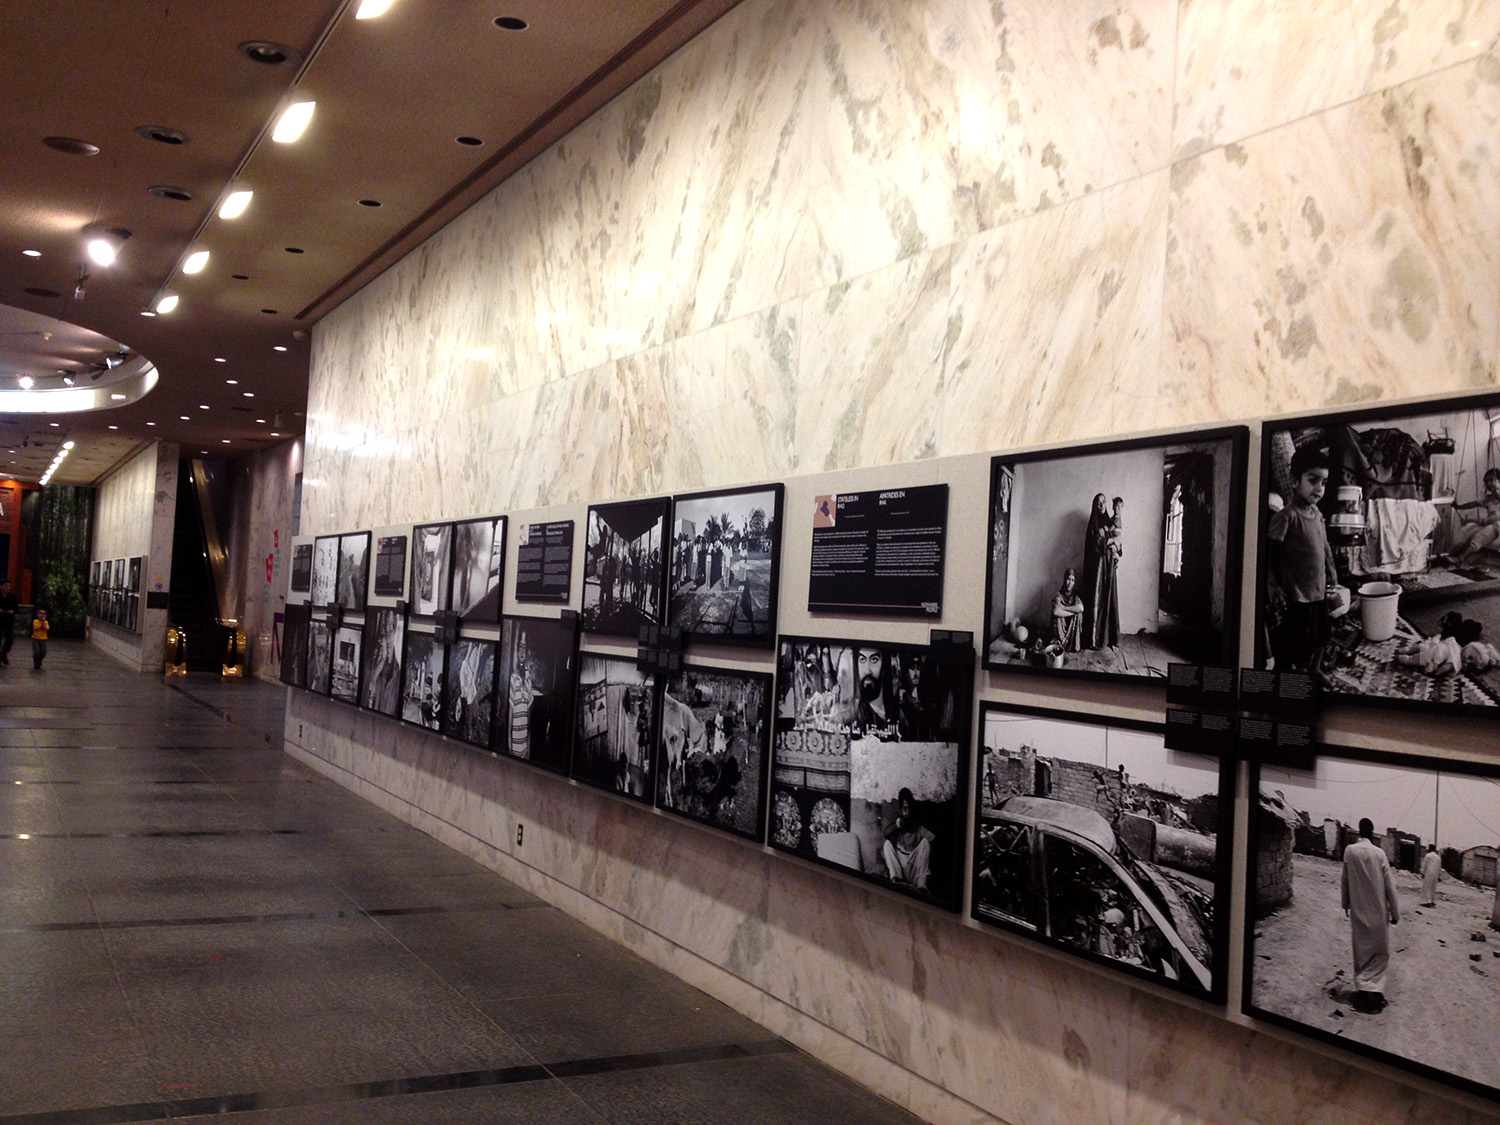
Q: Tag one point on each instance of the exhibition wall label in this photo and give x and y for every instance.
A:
(879, 552)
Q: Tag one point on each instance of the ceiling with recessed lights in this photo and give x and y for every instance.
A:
(131, 124)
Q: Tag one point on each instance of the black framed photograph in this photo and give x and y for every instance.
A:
(302, 568)
(614, 744)
(294, 625)
(354, 570)
(119, 574)
(534, 702)
(869, 765)
(714, 748)
(422, 681)
(625, 566)
(469, 691)
(132, 609)
(325, 573)
(319, 655)
(1372, 909)
(133, 576)
(348, 641)
(725, 563)
(431, 568)
(1092, 837)
(390, 566)
(380, 678)
(1115, 560)
(478, 568)
(1379, 561)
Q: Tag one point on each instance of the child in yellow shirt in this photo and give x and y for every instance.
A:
(39, 638)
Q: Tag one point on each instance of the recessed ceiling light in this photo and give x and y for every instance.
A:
(371, 9)
(471, 142)
(104, 244)
(369, 203)
(294, 250)
(275, 433)
(56, 424)
(169, 191)
(71, 145)
(235, 203)
(278, 347)
(68, 380)
(220, 359)
(167, 304)
(114, 427)
(203, 406)
(184, 417)
(269, 312)
(195, 262)
(240, 276)
(232, 382)
(270, 54)
(36, 291)
(510, 23)
(150, 423)
(147, 312)
(248, 394)
(117, 397)
(260, 421)
(26, 382)
(161, 134)
(32, 253)
(224, 440)
(293, 122)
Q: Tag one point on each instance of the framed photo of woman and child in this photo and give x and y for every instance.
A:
(1379, 562)
(1118, 559)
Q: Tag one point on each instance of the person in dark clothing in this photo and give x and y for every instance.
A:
(8, 606)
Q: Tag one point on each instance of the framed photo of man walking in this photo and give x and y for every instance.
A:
(1372, 912)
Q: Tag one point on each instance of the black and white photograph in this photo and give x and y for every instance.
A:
(319, 655)
(422, 681)
(615, 743)
(1380, 554)
(302, 568)
(869, 762)
(1372, 917)
(348, 641)
(354, 570)
(133, 576)
(390, 566)
(431, 568)
(119, 574)
(624, 566)
(478, 568)
(726, 548)
(534, 705)
(469, 691)
(1093, 837)
(325, 572)
(1119, 559)
(714, 748)
(380, 680)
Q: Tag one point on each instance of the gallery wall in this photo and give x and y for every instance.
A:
(134, 516)
(829, 236)
(257, 547)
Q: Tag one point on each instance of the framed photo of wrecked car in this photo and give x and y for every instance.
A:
(1378, 571)
(1090, 836)
(1371, 909)
(1113, 561)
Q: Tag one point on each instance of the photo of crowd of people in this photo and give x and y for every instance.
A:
(1116, 560)
(380, 681)
(869, 762)
(615, 743)
(354, 570)
(1374, 915)
(624, 566)
(1094, 837)
(715, 731)
(422, 681)
(431, 568)
(1380, 553)
(469, 691)
(724, 558)
(534, 705)
(478, 567)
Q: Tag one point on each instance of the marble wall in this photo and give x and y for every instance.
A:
(840, 233)
(257, 545)
(134, 515)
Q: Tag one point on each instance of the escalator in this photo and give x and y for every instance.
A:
(199, 576)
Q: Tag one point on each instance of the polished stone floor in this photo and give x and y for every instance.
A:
(193, 924)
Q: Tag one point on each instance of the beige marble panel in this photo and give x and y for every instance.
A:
(1244, 66)
(1056, 323)
(1347, 257)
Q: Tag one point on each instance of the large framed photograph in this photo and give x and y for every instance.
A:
(1116, 560)
(294, 645)
(354, 570)
(1093, 837)
(133, 576)
(422, 681)
(1372, 909)
(714, 748)
(380, 679)
(726, 555)
(348, 640)
(1379, 562)
(390, 564)
(616, 732)
(319, 655)
(478, 568)
(625, 566)
(431, 568)
(325, 572)
(534, 702)
(469, 692)
(869, 767)
(302, 568)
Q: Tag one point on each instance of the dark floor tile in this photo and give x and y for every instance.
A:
(28, 808)
(75, 1068)
(146, 807)
(546, 1102)
(386, 889)
(15, 737)
(45, 882)
(766, 1090)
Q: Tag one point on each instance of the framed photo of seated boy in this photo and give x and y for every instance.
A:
(1371, 909)
(1092, 837)
(1379, 560)
(869, 762)
(1113, 561)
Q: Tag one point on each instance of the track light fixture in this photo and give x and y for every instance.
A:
(103, 244)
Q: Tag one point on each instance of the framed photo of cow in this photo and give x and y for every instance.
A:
(713, 749)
